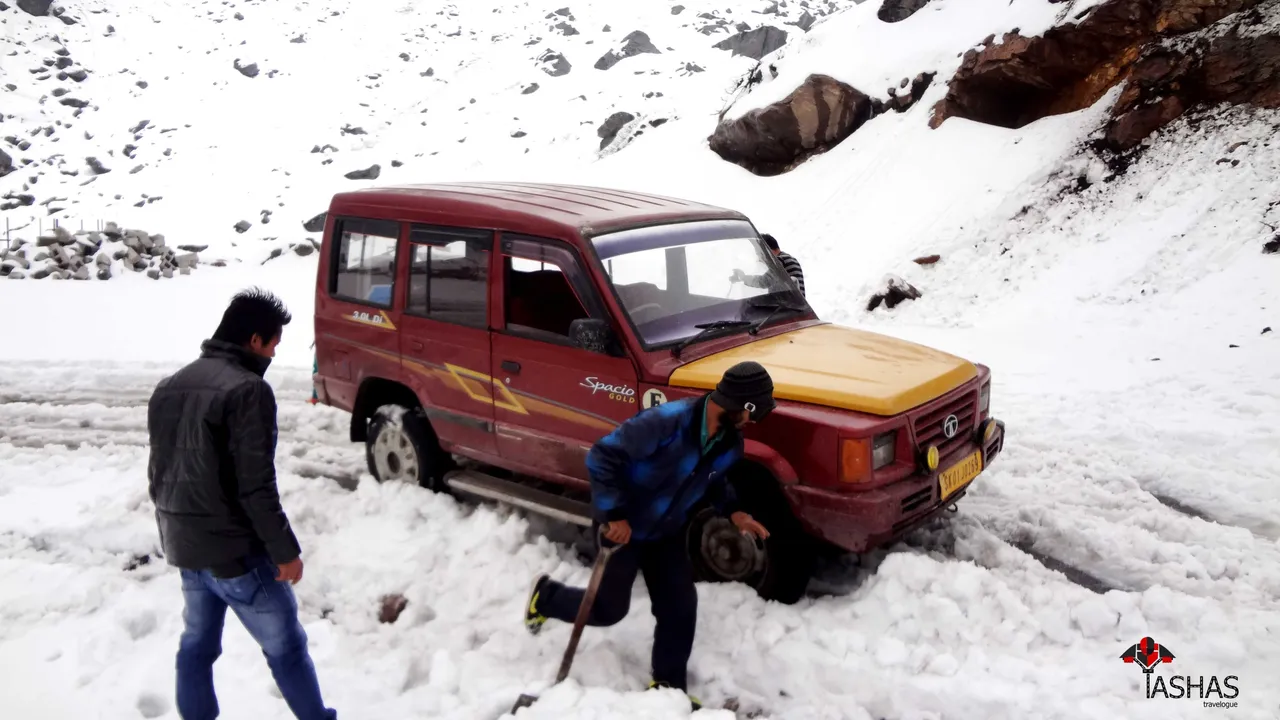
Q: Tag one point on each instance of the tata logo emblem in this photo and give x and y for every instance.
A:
(951, 426)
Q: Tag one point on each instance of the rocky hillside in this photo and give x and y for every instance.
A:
(1170, 56)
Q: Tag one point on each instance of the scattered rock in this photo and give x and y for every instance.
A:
(1265, 330)
(348, 130)
(303, 249)
(815, 117)
(243, 226)
(249, 71)
(566, 29)
(370, 173)
(6, 163)
(554, 64)
(530, 89)
(78, 74)
(635, 43)
(396, 163)
(927, 259)
(315, 224)
(96, 166)
(805, 22)
(193, 248)
(391, 607)
(893, 11)
(755, 44)
(896, 291)
(300, 39)
(74, 102)
(608, 130)
(1273, 246)
(677, 9)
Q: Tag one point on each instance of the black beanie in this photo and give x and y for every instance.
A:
(746, 383)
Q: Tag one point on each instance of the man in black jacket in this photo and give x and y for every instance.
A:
(213, 481)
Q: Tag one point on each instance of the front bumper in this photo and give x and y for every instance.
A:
(858, 522)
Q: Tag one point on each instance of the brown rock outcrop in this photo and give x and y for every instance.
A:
(1227, 68)
(1072, 66)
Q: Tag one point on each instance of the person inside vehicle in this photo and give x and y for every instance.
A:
(212, 478)
(645, 477)
(789, 264)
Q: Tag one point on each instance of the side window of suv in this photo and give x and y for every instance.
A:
(545, 289)
(449, 274)
(364, 264)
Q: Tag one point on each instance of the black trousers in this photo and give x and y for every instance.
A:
(669, 577)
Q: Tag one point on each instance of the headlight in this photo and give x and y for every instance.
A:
(984, 398)
(884, 449)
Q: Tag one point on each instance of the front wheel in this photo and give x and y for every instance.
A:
(778, 568)
(401, 447)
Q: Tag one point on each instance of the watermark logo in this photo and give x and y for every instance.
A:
(1211, 690)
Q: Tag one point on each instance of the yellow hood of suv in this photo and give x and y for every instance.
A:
(840, 367)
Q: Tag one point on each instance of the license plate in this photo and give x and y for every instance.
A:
(960, 474)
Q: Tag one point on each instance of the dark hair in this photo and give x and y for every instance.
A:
(252, 312)
(768, 240)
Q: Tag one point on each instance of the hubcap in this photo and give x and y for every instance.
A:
(394, 456)
(728, 553)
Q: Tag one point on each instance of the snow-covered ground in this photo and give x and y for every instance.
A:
(1137, 496)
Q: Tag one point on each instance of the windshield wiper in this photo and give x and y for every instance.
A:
(774, 309)
(706, 329)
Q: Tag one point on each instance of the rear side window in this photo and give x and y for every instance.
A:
(449, 274)
(364, 262)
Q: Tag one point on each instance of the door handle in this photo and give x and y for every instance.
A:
(414, 344)
(511, 366)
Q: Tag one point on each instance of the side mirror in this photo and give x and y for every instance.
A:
(591, 334)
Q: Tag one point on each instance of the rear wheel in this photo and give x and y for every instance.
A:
(401, 447)
(779, 568)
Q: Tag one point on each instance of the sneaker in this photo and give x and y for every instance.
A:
(533, 620)
(694, 702)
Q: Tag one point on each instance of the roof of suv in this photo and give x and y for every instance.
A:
(587, 210)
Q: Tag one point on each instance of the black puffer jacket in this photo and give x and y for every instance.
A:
(212, 470)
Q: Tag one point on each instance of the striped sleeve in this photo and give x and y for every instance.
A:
(792, 266)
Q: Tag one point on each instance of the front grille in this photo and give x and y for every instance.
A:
(928, 425)
(916, 500)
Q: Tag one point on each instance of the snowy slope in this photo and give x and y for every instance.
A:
(1136, 496)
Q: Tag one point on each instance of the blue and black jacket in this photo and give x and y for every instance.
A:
(652, 469)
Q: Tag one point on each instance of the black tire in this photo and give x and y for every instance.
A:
(401, 447)
(780, 570)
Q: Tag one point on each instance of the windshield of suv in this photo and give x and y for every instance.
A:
(671, 279)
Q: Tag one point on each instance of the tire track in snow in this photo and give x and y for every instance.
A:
(312, 444)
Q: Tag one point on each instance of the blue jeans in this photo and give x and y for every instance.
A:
(269, 612)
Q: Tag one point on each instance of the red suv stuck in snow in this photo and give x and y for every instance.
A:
(484, 335)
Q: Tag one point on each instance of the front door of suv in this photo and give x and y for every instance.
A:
(558, 399)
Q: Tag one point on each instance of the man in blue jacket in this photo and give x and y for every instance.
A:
(645, 477)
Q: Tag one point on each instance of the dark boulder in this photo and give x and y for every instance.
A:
(814, 117)
(608, 130)
(635, 43)
(755, 44)
(893, 11)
